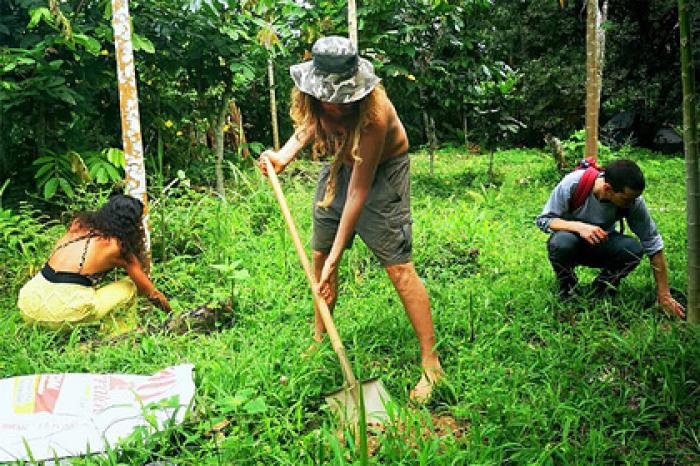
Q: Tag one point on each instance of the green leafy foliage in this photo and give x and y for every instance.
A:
(66, 171)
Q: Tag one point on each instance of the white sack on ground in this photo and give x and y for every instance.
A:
(63, 415)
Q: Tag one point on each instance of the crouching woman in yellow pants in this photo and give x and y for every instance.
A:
(66, 291)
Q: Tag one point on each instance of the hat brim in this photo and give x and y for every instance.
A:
(335, 88)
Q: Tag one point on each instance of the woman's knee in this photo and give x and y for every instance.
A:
(400, 274)
(318, 257)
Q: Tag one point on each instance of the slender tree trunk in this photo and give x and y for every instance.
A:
(218, 129)
(433, 142)
(41, 128)
(690, 141)
(352, 21)
(3, 161)
(239, 138)
(591, 148)
(602, 17)
(429, 125)
(129, 105)
(465, 127)
(273, 105)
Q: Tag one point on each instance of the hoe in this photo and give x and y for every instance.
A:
(345, 402)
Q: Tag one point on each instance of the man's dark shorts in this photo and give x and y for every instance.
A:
(385, 221)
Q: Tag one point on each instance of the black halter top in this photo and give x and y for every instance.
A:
(77, 278)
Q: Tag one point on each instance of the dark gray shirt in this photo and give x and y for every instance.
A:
(602, 214)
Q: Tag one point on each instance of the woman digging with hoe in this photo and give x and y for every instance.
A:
(339, 105)
(65, 291)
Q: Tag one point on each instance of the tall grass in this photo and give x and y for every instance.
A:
(530, 380)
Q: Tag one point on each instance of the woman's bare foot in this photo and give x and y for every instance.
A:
(423, 390)
(314, 346)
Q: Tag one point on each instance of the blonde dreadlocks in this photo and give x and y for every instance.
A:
(305, 112)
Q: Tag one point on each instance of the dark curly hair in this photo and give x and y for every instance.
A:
(120, 218)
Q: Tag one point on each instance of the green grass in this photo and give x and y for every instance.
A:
(531, 380)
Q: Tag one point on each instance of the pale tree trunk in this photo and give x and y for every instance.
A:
(239, 139)
(591, 149)
(273, 105)
(218, 129)
(129, 106)
(602, 17)
(692, 183)
(352, 21)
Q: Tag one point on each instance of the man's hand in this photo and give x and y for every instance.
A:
(592, 234)
(278, 163)
(670, 305)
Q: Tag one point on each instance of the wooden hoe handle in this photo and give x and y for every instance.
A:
(338, 347)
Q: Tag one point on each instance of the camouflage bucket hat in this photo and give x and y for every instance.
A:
(336, 74)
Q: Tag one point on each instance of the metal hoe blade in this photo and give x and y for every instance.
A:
(344, 403)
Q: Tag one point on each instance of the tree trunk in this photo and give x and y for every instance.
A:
(239, 139)
(3, 160)
(135, 169)
(591, 149)
(602, 17)
(690, 141)
(352, 22)
(465, 127)
(273, 105)
(41, 129)
(218, 129)
(429, 125)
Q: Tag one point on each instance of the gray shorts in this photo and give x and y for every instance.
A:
(385, 221)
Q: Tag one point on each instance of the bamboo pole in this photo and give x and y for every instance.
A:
(352, 22)
(273, 103)
(591, 149)
(135, 169)
(690, 142)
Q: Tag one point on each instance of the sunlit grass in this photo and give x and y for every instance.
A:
(530, 380)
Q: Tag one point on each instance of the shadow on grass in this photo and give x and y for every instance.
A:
(442, 186)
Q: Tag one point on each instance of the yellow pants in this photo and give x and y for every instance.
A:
(55, 305)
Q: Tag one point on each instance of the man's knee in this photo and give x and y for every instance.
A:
(629, 252)
(562, 246)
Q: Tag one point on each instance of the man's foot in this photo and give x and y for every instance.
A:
(566, 288)
(604, 287)
(423, 390)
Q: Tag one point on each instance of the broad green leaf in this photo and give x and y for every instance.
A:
(116, 157)
(44, 169)
(101, 174)
(50, 188)
(142, 43)
(37, 15)
(66, 187)
(77, 165)
(91, 45)
(112, 172)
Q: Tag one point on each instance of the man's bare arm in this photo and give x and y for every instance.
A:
(663, 292)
